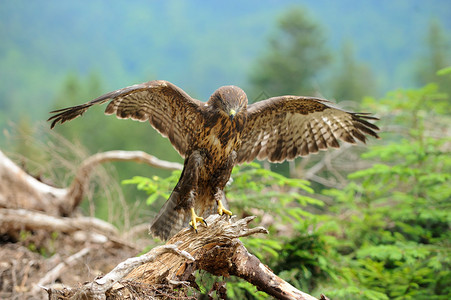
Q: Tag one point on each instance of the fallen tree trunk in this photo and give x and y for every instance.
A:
(169, 273)
(14, 220)
(21, 190)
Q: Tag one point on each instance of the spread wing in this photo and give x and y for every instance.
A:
(286, 127)
(168, 108)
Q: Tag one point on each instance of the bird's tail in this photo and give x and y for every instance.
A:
(171, 219)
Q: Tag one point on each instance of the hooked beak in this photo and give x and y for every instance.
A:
(232, 114)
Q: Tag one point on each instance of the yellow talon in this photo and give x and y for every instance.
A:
(222, 210)
(194, 219)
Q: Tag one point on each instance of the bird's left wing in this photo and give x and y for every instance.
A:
(286, 127)
(168, 108)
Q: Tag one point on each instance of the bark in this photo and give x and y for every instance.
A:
(161, 273)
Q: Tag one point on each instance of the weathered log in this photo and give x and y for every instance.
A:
(215, 249)
(21, 190)
(22, 219)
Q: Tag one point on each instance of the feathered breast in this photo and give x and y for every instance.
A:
(220, 137)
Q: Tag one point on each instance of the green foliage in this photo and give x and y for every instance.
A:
(394, 231)
(239, 289)
(156, 187)
(303, 259)
(255, 187)
(262, 192)
(35, 242)
(444, 71)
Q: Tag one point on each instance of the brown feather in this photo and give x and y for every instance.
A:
(216, 135)
(168, 108)
(307, 125)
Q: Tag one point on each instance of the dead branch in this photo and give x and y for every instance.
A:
(248, 267)
(215, 249)
(124, 268)
(325, 162)
(22, 219)
(98, 288)
(53, 274)
(21, 190)
(81, 180)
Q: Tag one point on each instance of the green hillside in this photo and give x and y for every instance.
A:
(198, 45)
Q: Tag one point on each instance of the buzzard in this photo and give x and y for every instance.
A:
(216, 135)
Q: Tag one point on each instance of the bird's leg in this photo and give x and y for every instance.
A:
(190, 183)
(221, 209)
(224, 178)
(194, 219)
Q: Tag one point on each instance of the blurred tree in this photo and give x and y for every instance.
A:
(436, 55)
(295, 58)
(292, 64)
(352, 80)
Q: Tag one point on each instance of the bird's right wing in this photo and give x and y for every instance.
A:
(168, 108)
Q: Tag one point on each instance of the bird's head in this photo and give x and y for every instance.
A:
(230, 101)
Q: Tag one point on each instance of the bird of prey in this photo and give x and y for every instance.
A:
(216, 135)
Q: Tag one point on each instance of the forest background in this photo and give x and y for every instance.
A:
(379, 233)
